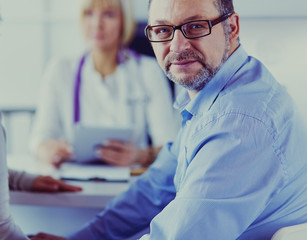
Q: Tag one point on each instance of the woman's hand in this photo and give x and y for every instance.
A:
(49, 184)
(55, 152)
(121, 153)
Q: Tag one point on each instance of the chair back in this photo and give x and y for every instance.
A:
(295, 232)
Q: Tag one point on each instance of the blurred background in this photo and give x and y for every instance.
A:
(35, 31)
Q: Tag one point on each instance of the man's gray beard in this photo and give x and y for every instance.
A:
(201, 79)
(197, 82)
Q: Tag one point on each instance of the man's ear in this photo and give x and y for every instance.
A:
(234, 27)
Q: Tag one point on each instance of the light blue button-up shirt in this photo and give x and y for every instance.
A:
(238, 169)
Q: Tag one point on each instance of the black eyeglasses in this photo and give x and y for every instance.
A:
(191, 30)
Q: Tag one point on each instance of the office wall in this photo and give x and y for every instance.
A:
(34, 31)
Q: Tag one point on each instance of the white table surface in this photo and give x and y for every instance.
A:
(94, 194)
(58, 213)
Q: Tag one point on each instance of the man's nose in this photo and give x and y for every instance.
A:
(179, 42)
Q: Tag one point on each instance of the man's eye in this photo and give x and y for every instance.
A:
(195, 29)
(161, 30)
(198, 26)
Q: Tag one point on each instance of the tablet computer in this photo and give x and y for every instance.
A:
(86, 140)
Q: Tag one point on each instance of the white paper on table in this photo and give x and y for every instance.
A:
(99, 172)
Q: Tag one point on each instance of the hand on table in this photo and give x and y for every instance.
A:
(121, 153)
(49, 184)
(45, 236)
(55, 152)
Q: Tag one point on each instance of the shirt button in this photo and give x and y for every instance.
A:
(188, 123)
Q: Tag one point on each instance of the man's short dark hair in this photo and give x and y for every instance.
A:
(223, 6)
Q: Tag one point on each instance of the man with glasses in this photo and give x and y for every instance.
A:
(238, 167)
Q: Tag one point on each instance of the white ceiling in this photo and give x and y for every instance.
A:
(271, 8)
(250, 8)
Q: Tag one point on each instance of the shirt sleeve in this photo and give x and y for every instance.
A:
(231, 176)
(162, 119)
(20, 180)
(132, 211)
(8, 229)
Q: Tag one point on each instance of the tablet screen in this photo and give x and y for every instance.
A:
(86, 140)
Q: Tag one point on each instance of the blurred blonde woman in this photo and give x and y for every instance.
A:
(109, 85)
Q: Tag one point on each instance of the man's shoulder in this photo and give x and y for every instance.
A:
(253, 90)
(253, 95)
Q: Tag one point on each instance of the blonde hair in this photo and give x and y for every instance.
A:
(126, 7)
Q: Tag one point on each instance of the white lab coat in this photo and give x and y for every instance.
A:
(136, 95)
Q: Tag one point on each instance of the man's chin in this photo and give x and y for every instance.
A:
(181, 78)
(190, 81)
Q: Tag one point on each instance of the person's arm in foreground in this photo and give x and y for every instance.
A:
(8, 229)
(133, 210)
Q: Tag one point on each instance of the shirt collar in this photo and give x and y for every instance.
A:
(207, 96)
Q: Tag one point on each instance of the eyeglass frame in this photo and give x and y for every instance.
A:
(211, 23)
